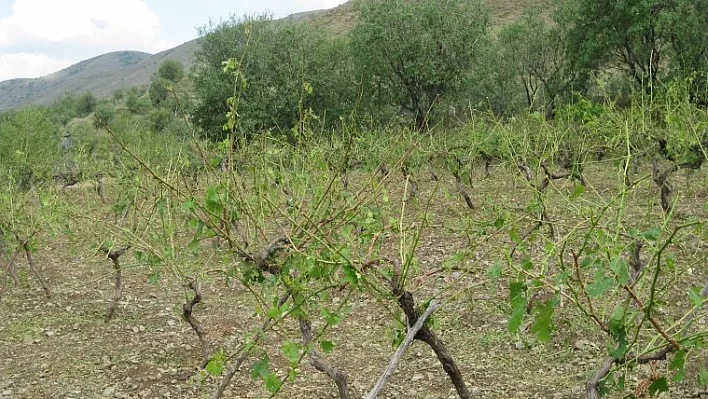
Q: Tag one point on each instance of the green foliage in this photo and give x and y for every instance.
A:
(534, 51)
(29, 147)
(278, 58)
(86, 104)
(118, 95)
(637, 36)
(261, 369)
(216, 363)
(171, 70)
(136, 104)
(105, 113)
(160, 119)
(543, 321)
(418, 55)
(159, 91)
(688, 44)
(63, 110)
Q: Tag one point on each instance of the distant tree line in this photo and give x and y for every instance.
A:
(432, 60)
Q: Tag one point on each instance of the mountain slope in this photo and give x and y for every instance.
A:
(17, 92)
(139, 74)
(106, 73)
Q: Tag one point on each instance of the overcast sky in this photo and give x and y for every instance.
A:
(38, 37)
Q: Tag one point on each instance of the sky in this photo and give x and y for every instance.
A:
(38, 37)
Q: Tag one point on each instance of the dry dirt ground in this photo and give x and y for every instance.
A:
(61, 348)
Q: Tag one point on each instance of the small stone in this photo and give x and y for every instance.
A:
(136, 330)
(417, 378)
(49, 333)
(171, 322)
(109, 391)
(75, 326)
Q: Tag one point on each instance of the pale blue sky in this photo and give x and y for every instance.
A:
(38, 37)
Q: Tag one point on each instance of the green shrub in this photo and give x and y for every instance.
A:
(86, 104)
(105, 113)
(160, 119)
(171, 70)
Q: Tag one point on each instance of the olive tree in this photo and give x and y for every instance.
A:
(417, 54)
(278, 59)
(638, 37)
(535, 52)
(171, 70)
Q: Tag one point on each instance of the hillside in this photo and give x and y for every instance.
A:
(105, 73)
(76, 78)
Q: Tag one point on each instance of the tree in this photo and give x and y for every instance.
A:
(536, 53)
(86, 104)
(104, 114)
(277, 59)
(118, 95)
(29, 147)
(171, 70)
(688, 43)
(159, 90)
(134, 103)
(638, 37)
(414, 54)
(63, 110)
(159, 119)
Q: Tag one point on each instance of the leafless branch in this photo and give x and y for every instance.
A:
(338, 376)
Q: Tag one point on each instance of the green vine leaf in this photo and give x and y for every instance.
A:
(659, 386)
(326, 346)
(678, 363)
(601, 283)
(543, 322)
(518, 306)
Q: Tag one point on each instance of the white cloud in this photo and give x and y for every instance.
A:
(25, 65)
(74, 30)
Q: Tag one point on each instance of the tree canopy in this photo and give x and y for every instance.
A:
(416, 54)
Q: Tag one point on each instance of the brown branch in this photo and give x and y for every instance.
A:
(407, 304)
(554, 176)
(465, 195)
(662, 180)
(635, 262)
(652, 320)
(592, 388)
(35, 270)
(195, 323)
(262, 258)
(113, 255)
(410, 336)
(338, 376)
(593, 315)
(11, 271)
(412, 185)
